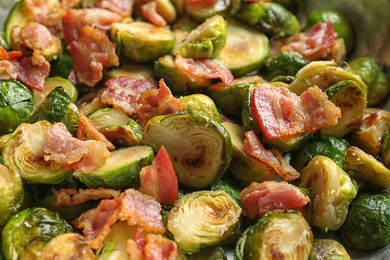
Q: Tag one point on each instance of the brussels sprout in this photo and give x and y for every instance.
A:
(368, 222)
(212, 253)
(271, 18)
(287, 63)
(213, 215)
(67, 247)
(364, 167)
(90, 102)
(246, 49)
(200, 103)
(332, 191)
(374, 76)
(184, 24)
(204, 42)
(23, 154)
(11, 194)
(322, 74)
(349, 96)
(328, 249)
(230, 185)
(57, 107)
(206, 144)
(340, 23)
(62, 66)
(180, 82)
(108, 116)
(201, 11)
(165, 8)
(385, 150)
(329, 146)
(141, 41)
(16, 105)
(369, 133)
(244, 167)
(20, 15)
(286, 235)
(121, 170)
(123, 135)
(3, 141)
(29, 226)
(128, 68)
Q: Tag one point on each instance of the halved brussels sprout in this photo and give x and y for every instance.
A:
(62, 66)
(385, 150)
(329, 146)
(180, 82)
(246, 49)
(201, 11)
(16, 105)
(57, 107)
(121, 170)
(142, 41)
(108, 116)
(332, 191)
(11, 194)
(286, 235)
(200, 148)
(328, 249)
(349, 96)
(23, 154)
(374, 76)
(212, 253)
(29, 230)
(243, 167)
(364, 167)
(200, 103)
(203, 218)
(287, 63)
(368, 222)
(271, 18)
(129, 68)
(3, 141)
(20, 15)
(322, 74)
(205, 41)
(123, 135)
(230, 185)
(90, 102)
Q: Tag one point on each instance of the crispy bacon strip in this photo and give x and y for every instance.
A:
(72, 197)
(122, 7)
(149, 11)
(205, 69)
(259, 198)
(273, 158)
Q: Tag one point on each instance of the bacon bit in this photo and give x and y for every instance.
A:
(123, 92)
(72, 197)
(72, 77)
(35, 36)
(205, 69)
(33, 75)
(158, 102)
(273, 158)
(8, 69)
(88, 131)
(10, 56)
(149, 11)
(46, 12)
(122, 7)
(259, 198)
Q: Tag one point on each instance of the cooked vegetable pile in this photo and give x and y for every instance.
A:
(186, 129)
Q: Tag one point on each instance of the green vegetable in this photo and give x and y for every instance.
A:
(385, 150)
(201, 12)
(283, 234)
(328, 249)
(287, 63)
(90, 102)
(212, 253)
(102, 117)
(206, 144)
(19, 15)
(203, 218)
(29, 225)
(62, 66)
(246, 49)
(201, 104)
(123, 135)
(230, 185)
(368, 222)
(16, 105)
(128, 68)
(142, 41)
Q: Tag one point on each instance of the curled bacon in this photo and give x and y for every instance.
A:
(72, 197)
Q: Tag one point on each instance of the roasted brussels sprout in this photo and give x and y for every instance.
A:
(19, 15)
(3, 141)
(62, 66)
(136, 70)
(374, 76)
(23, 154)
(328, 249)
(123, 135)
(31, 229)
(213, 215)
(90, 102)
(287, 63)
(102, 117)
(206, 143)
(11, 194)
(201, 11)
(368, 222)
(212, 253)
(165, 8)
(230, 185)
(332, 191)
(283, 234)
(200, 103)
(204, 42)
(271, 18)
(385, 150)
(329, 146)
(16, 105)
(142, 41)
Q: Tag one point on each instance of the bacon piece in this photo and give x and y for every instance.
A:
(10, 56)
(35, 36)
(72, 197)
(135, 246)
(205, 69)
(122, 7)
(82, 156)
(149, 11)
(159, 179)
(90, 53)
(259, 198)
(33, 75)
(158, 102)
(46, 12)
(8, 69)
(123, 92)
(281, 113)
(204, 3)
(273, 158)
